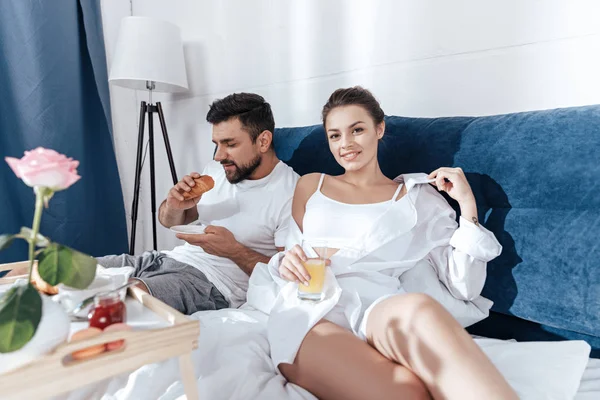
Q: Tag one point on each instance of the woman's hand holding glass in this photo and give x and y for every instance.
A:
(292, 266)
(308, 272)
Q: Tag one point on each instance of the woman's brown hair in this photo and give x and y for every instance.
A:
(357, 96)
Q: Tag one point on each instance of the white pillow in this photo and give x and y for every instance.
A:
(539, 370)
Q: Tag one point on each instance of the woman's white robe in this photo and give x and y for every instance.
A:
(415, 246)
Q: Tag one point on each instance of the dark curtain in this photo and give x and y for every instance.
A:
(54, 94)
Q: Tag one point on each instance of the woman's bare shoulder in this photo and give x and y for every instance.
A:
(308, 183)
(306, 186)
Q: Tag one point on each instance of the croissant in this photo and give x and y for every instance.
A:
(40, 284)
(203, 185)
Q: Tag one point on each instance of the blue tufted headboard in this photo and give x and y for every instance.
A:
(536, 178)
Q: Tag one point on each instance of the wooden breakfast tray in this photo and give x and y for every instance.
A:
(56, 373)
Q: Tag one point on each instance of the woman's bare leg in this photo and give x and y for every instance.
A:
(416, 331)
(333, 363)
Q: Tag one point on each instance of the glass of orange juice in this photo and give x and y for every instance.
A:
(315, 266)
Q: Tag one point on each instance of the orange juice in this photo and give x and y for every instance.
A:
(316, 270)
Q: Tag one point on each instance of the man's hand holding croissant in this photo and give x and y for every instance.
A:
(188, 191)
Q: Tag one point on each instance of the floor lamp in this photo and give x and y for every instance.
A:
(149, 56)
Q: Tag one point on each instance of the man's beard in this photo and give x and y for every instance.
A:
(241, 172)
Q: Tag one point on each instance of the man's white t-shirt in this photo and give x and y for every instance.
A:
(257, 212)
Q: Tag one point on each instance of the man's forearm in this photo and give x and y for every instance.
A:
(247, 259)
(169, 217)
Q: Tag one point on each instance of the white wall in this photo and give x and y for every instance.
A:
(419, 57)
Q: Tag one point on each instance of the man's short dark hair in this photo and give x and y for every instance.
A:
(252, 110)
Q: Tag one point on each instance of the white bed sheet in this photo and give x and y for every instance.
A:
(232, 362)
(589, 388)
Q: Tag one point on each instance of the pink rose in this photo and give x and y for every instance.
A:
(44, 167)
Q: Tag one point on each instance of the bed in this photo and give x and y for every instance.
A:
(232, 362)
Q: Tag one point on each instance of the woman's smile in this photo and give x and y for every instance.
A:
(350, 156)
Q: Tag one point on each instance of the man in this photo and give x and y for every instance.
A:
(246, 214)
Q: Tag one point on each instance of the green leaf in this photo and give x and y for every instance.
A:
(20, 314)
(6, 241)
(27, 233)
(61, 264)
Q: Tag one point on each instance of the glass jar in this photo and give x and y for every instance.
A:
(108, 309)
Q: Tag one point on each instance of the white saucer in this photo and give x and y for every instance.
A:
(188, 228)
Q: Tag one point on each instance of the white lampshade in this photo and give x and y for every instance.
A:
(148, 49)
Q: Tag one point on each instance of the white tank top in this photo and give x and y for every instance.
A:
(339, 224)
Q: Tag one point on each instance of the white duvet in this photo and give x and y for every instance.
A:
(232, 362)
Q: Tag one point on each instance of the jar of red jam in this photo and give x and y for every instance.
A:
(108, 309)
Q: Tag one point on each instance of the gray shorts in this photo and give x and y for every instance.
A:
(179, 285)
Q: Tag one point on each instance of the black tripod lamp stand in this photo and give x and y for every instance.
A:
(149, 109)
(149, 56)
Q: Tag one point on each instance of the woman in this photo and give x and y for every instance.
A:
(368, 338)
